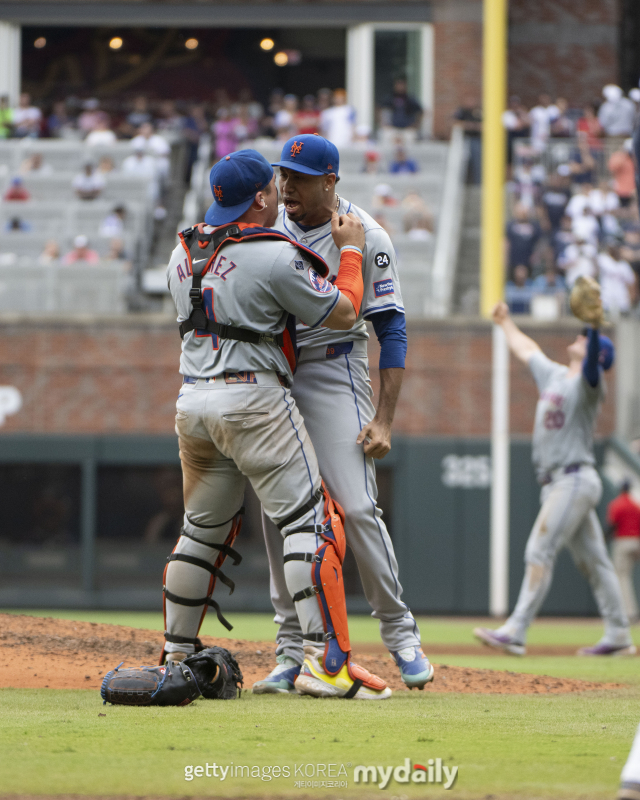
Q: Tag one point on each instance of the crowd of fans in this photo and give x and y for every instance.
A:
(573, 206)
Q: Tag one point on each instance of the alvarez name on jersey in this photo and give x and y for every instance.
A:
(379, 272)
(250, 285)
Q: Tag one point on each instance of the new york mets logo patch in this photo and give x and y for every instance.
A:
(383, 287)
(319, 283)
(217, 190)
(296, 147)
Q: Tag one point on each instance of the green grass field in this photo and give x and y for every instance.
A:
(563, 746)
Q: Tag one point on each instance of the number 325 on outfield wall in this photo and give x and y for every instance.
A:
(466, 472)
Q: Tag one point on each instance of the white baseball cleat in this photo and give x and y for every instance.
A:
(314, 680)
(500, 641)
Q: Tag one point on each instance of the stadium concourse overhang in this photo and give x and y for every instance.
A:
(360, 45)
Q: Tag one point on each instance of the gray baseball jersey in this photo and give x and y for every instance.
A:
(379, 272)
(565, 415)
(251, 285)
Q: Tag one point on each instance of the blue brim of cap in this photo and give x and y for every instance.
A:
(221, 215)
(298, 168)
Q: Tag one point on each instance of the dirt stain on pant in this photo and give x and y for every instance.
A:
(197, 455)
(536, 574)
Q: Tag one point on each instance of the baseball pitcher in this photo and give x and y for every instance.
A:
(333, 391)
(237, 284)
(563, 458)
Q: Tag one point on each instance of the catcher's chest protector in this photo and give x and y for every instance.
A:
(202, 248)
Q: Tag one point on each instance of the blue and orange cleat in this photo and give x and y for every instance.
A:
(281, 679)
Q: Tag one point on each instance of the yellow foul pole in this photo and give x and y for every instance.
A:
(494, 91)
(494, 78)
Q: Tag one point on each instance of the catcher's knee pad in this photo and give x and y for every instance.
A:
(327, 585)
(189, 551)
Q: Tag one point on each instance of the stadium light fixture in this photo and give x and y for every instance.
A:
(191, 44)
(267, 44)
(281, 59)
(116, 43)
(40, 42)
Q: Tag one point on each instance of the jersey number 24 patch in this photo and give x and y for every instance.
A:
(382, 260)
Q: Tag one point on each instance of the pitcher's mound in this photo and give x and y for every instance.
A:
(50, 653)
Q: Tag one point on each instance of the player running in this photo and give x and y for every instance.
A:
(571, 488)
(235, 283)
(333, 392)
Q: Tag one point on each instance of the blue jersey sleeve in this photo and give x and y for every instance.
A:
(590, 367)
(391, 330)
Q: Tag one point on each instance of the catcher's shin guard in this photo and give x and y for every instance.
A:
(197, 564)
(328, 587)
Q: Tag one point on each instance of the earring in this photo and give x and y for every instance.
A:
(326, 188)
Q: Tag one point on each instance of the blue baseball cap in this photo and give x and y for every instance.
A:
(311, 154)
(234, 180)
(607, 353)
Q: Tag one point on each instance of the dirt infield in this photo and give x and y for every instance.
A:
(44, 652)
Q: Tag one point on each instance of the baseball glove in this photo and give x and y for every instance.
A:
(585, 301)
(213, 673)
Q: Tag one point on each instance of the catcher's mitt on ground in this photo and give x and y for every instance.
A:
(585, 301)
(213, 673)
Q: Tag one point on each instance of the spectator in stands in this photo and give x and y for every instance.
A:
(101, 135)
(383, 196)
(578, 259)
(138, 116)
(402, 163)
(59, 123)
(563, 125)
(140, 163)
(550, 282)
(402, 113)
(528, 178)
(542, 116)
(617, 280)
(284, 117)
(15, 224)
(469, 115)
(91, 116)
(518, 291)
(622, 169)
(170, 120)
(50, 255)
(246, 127)
(417, 219)
(35, 165)
(604, 203)
(523, 235)
(582, 164)
(113, 224)
(623, 516)
(589, 125)
(16, 191)
(195, 125)
(307, 119)
(88, 184)
(516, 122)
(337, 122)
(155, 145)
(27, 118)
(224, 131)
(554, 199)
(116, 251)
(6, 117)
(617, 113)
(585, 225)
(630, 249)
(81, 252)
(562, 238)
(105, 165)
